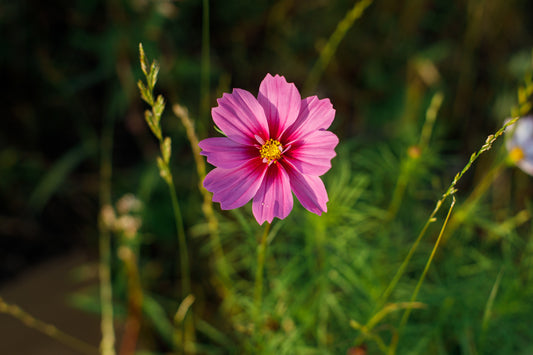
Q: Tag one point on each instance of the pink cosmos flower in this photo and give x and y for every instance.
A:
(275, 145)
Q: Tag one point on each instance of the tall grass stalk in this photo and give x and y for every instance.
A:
(107, 345)
(132, 326)
(490, 302)
(207, 205)
(407, 312)
(205, 67)
(450, 191)
(185, 333)
(333, 42)
(409, 165)
(466, 208)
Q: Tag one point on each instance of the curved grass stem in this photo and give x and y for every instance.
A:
(449, 192)
(47, 329)
(407, 312)
(333, 42)
(107, 345)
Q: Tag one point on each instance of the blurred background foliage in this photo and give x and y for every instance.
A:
(70, 67)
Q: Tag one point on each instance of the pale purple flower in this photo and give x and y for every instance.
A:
(275, 145)
(519, 143)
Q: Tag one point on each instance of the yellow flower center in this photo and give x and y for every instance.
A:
(516, 154)
(270, 151)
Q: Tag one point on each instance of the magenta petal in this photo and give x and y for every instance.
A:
(312, 155)
(274, 197)
(281, 102)
(240, 116)
(314, 115)
(224, 153)
(235, 187)
(310, 191)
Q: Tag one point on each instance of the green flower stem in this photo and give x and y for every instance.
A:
(47, 329)
(258, 290)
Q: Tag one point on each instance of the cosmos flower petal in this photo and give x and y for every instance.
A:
(312, 156)
(309, 190)
(274, 197)
(233, 188)
(240, 116)
(224, 153)
(315, 114)
(281, 103)
(520, 137)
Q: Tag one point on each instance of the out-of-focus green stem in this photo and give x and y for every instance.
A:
(410, 163)
(405, 317)
(333, 42)
(207, 206)
(107, 345)
(184, 255)
(204, 77)
(135, 297)
(449, 192)
(153, 118)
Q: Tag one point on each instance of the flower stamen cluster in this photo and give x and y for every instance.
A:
(271, 151)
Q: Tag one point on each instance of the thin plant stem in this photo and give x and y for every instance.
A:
(135, 296)
(187, 331)
(258, 289)
(207, 206)
(184, 255)
(47, 329)
(107, 345)
(153, 118)
(333, 42)
(466, 208)
(410, 163)
(407, 312)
